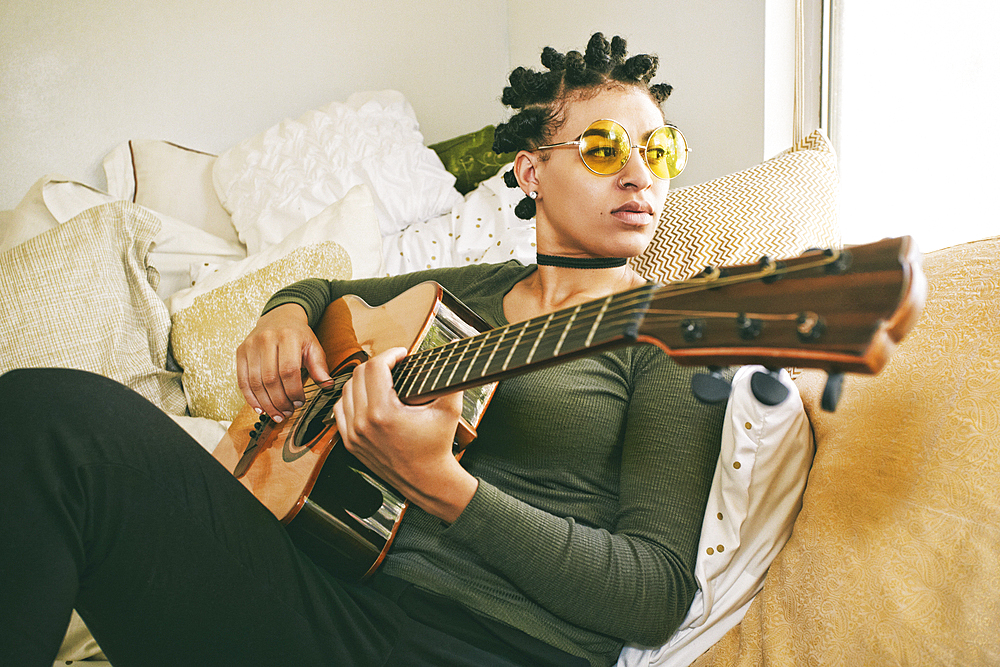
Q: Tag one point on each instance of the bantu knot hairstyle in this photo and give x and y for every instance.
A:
(539, 96)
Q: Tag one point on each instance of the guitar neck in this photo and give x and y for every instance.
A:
(518, 348)
(841, 310)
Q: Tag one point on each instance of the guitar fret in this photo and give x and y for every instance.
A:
(427, 375)
(538, 339)
(438, 368)
(444, 363)
(566, 329)
(433, 360)
(474, 357)
(405, 385)
(458, 363)
(514, 346)
(597, 321)
(489, 361)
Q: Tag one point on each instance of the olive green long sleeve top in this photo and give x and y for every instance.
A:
(593, 478)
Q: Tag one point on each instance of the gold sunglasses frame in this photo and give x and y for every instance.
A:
(628, 143)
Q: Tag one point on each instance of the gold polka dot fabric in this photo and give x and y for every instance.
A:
(205, 335)
(894, 559)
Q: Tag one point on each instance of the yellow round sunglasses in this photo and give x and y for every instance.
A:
(605, 148)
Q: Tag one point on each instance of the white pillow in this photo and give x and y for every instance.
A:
(172, 180)
(177, 248)
(28, 219)
(274, 182)
(756, 494)
(350, 222)
(480, 228)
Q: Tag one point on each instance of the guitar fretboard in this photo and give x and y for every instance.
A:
(515, 348)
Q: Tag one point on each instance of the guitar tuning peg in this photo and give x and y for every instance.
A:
(767, 387)
(710, 387)
(831, 392)
(841, 261)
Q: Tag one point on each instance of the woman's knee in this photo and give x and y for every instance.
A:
(49, 390)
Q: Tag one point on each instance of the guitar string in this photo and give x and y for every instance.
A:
(621, 313)
(426, 361)
(443, 364)
(693, 285)
(442, 358)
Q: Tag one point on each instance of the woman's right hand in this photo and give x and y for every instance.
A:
(270, 361)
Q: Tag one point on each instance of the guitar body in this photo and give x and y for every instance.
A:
(337, 510)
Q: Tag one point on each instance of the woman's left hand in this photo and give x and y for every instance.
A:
(408, 446)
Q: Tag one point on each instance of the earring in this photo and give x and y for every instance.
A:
(525, 208)
(533, 194)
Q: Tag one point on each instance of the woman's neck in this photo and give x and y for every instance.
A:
(551, 288)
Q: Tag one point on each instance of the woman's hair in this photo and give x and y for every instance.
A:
(541, 97)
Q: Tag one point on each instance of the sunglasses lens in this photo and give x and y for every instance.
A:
(605, 147)
(666, 152)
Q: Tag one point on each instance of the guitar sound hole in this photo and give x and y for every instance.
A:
(340, 485)
(311, 423)
(315, 424)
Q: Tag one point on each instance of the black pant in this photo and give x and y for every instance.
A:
(106, 505)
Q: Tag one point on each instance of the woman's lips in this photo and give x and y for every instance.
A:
(634, 213)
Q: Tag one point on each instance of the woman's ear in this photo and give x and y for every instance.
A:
(526, 171)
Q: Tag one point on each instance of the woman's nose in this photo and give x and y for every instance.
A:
(636, 172)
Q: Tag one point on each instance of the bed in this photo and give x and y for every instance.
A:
(155, 280)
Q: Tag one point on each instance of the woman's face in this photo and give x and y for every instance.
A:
(582, 214)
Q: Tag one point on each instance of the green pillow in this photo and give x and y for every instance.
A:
(470, 158)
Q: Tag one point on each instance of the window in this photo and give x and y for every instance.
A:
(914, 99)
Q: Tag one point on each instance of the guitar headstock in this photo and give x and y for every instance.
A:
(842, 310)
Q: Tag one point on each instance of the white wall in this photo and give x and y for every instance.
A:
(78, 78)
(711, 51)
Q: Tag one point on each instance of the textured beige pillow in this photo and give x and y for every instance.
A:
(778, 208)
(79, 296)
(895, 556)
(206, 334)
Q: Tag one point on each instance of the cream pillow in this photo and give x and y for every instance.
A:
(206, 333)
(79, 296)
(172, 180)
(28, 219)
(778, 208)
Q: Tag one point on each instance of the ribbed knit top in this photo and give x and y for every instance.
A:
(593, 478)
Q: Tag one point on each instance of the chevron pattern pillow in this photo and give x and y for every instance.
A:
(778, 208)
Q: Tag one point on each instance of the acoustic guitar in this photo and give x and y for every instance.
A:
(842, 310)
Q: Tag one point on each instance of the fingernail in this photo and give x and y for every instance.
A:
(288, 414)
(278, 418)
(297, 404)
(258, 411)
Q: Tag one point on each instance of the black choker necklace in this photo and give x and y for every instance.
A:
(580, 262)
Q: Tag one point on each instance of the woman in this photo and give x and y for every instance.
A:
(569, 528)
